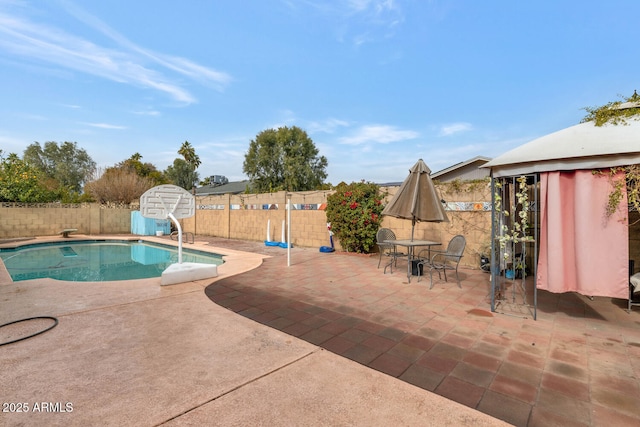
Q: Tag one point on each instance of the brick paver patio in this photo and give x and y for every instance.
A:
(578, 364)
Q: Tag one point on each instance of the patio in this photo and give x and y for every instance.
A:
(136, 353)
(578, 364)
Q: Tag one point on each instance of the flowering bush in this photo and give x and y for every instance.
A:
(354, 213)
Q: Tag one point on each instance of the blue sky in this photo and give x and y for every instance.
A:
(376, 84)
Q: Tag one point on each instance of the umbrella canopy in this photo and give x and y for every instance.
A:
(417, 199)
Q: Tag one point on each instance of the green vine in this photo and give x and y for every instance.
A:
(632, 184)
(522, 199)
(520, 225)
(459, 186)
(504, 236)
(612, 113)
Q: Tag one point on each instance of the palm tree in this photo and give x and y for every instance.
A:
(189, 154)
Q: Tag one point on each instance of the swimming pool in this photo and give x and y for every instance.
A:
(97, 260)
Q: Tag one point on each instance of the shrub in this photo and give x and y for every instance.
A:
(118, 186)
(354, 213)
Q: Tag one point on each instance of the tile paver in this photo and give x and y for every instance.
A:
(549, 371)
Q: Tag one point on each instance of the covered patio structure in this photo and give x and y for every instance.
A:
(551, 217)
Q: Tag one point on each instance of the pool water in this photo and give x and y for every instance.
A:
(96, 261)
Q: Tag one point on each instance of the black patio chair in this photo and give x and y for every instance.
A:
(445, 260)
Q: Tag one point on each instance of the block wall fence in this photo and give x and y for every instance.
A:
(28, 220)
(246, 217)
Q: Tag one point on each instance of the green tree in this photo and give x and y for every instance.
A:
(20, 182)
(144, 170)
(181, 174)
(193, 160)
(67, 164)
(284, 159)
(354, 213)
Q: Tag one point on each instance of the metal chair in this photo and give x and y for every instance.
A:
(387, 249)
(447, 260)
(634, 284)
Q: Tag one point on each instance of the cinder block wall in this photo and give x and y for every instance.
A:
(112, 220)
(248, 216)
(245, 217)
(471, 221)
(25, 220)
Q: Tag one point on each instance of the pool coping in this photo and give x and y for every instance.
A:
(235, 262)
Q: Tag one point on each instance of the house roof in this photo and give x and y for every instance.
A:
(469, 169)
(236, 187)
(583, 146)
(463, 170)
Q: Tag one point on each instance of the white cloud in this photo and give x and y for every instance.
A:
(106, 126)
(327, 126)
(453, 128)
(382, 134)
(373, 7)
(183, 66)
(358, 5)
(360, 21)
(126, 63)
(152, 113)
(10, 144)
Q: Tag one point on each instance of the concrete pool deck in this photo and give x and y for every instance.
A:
(134, 353)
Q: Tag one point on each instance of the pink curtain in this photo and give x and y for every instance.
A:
(581, 250)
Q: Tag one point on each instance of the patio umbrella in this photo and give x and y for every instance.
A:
(417, 199)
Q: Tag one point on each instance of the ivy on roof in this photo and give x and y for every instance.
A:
(616, 112)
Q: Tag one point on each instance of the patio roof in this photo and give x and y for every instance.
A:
(583, 146)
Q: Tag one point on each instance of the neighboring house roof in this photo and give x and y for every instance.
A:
(236, 187)
(583, 146)
(467, 170)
